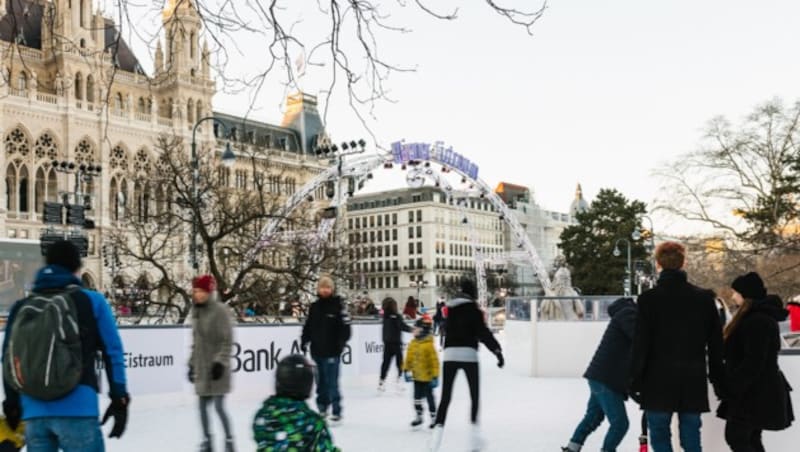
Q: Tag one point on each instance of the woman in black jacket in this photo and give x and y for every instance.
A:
(465, 328)
(393, 327)
(757, 394)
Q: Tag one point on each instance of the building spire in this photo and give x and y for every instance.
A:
(579, 192)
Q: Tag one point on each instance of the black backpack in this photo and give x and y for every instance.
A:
(43, 356)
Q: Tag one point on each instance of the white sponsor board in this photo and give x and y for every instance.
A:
(157, 358)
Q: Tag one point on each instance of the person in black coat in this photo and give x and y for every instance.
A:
(393, 327)
(608, 376)
(677, 348)
(757, 394)
(465, 328)
(327, 328)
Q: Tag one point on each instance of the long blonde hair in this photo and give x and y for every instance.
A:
(737, 319)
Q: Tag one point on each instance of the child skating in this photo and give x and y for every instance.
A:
(422, 367)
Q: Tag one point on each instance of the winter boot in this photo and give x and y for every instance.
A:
(572, 447)
(476, 441)
(436, 438)
(229, 445)
(416, 422)
(335, 420)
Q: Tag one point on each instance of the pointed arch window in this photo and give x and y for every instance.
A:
(89, 89)
(22, 82)
(78, 86)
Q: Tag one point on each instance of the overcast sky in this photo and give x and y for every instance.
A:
(601, 94)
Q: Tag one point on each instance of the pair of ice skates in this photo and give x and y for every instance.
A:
(477, 443)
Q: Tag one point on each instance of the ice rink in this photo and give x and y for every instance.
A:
(517, 414)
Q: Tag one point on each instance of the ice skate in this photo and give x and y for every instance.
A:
(433, 420)
(416, 422)
(205, 446)
(382, 386)
(436, 438)
(229, 445)
(335, 420)
(476, 441)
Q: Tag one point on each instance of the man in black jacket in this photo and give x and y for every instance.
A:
(393, 327)
(608, 376)
(327, 328)
(465, 327)
(678, 327)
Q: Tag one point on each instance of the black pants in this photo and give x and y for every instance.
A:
(449, 375)
(423, 390)
(392, 351)
(743, 437)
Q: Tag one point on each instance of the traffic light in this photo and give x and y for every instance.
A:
(53, 213)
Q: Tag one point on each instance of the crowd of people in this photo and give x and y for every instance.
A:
(662, 350)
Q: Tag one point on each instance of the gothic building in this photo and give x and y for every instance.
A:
(72, 89)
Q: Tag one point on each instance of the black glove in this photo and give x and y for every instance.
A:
(119, 411)
(13, 413)
(217, 370)
(500, 361)
(190, 375)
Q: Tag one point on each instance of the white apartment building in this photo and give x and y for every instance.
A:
(403, 236)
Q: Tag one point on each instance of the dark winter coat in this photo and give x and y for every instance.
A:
(327, 327)
(393, 326)
(677, 327)
(757, 392)
(465, 327)
(611, 363)
(439, 316)
(212, 342)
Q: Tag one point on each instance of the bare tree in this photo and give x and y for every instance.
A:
(232, 207)
(743, 183)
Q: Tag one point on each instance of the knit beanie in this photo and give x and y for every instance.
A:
(64, 254)
(204, 282)
(750, 286)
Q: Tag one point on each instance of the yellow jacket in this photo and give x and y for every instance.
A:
(422, 360)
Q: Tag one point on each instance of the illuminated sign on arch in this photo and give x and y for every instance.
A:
(407, 152)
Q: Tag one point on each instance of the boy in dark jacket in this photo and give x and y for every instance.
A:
(608, 376)
(284, 421)
(327, 328)
(677, 349)
(465, 328)
(393, 327)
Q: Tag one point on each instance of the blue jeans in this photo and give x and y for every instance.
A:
(70, 434)
(604, 402)
(659, 426)
(328, 385)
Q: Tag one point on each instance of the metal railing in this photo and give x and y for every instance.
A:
(567, 309)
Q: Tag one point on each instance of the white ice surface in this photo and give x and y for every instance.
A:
(517, 414)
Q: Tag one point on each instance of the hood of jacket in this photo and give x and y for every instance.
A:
(771, 306)
(54, 277)
(622, 303)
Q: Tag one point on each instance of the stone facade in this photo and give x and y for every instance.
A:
(73, 90)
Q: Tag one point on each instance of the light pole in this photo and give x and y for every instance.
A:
(637, 235)
(228, 159)
(617, 253)
(419, 285)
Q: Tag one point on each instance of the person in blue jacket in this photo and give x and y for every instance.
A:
(71, 422)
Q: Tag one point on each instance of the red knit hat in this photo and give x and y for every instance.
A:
(205, 282)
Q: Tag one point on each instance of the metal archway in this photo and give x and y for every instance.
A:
(361, 168)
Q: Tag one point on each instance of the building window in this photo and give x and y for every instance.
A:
(394, 234)
(372, 266)
(419, 247)
(380, 283)
(394, 250)
(411, 264)
(419, 232)
(350, 223)
(380, 251)
(380, 221)
(419, 216)
(396, 282)
(372, 283)
(395, 266)
(380, 266)
(371, 236)
(410, 248)
(380, 236)
(387, 251)
(394, 219)
(419, 263)
(411, 232)
(410, 216)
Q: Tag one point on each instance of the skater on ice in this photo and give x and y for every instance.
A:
(465, 328)
(393, 328)
(327, 329)
(608, 375)
(210, 361)
(63, 415)
(422, 368)
(285, 422)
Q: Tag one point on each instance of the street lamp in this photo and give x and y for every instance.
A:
(637, 235)
(418, 285)
(618, 253)
(228, 159)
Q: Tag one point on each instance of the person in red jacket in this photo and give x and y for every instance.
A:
(794, 315)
